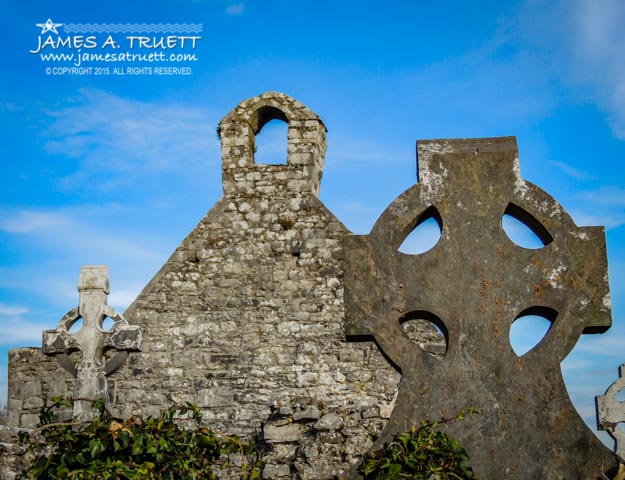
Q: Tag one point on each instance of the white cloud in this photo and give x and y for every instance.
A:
(12, 309)
(121, 298)
(608, 195)
(58, 251)
(18, 331)
(605, 219)
(584, 41)
(9, 107)
(578, 364)
(15, 328)
(28, 221)
(602, 206)
(361, 150)
(602, 345)
(51, 227)
(573, 172)
(235, 9)
(129, 140)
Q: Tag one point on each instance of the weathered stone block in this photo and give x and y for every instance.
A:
(307, 414)
(288, 433)
(330, 421)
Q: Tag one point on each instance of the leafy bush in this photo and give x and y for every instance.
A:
(155, 448)
(421, 453)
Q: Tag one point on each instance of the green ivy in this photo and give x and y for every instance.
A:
(422, 453)
(154, 448)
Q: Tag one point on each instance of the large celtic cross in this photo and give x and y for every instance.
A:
(473, 284)
(92, 341)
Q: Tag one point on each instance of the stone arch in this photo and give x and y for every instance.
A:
(265, 114)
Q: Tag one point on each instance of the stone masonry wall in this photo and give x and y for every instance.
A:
(245, 320)
(33, 378)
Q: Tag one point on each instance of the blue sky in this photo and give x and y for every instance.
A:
(116, 170)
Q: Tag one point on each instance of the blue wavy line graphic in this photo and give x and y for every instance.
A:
(132, 27)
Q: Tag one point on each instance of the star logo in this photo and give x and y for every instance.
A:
(49, 26)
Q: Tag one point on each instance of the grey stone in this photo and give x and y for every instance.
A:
(308, 413)
(33, 402)
(473, 284)
(331, 437)
(285, 410)
(291, 432)
(330, 421)
(611, 413)
(272, 470)
(371, 413)
(8, 434)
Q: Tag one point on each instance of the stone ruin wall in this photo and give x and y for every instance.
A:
(33, 378)
(245, 320)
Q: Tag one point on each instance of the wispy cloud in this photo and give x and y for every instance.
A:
(584, 41)
(12, 309)
(127, 139)
(604, 345)
(607, 195)
(600, 48)
(26, 221)
(9, 107)
(235, 9)
(132, 257)
(606, 219)
(344, 149)
(51, 227)
(20, 332)
(573, 172)
(121, 298)
(601, 206)
(16, 329)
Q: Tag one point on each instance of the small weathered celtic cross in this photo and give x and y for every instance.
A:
(611, 413)
(92, 341)
(472, 285)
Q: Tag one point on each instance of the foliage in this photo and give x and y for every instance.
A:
(422, 453)
(155, 448)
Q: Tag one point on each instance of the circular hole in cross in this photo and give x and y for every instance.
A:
(530, 327)
(107, 324)
(523, 229)
(426, 330)
(77, 325)
(425, 234)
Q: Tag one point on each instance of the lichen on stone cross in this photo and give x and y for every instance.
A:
(611, 413)
(472, 285)
(92, 341)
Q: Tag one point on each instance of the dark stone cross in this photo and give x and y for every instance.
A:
(92, 341)
(473, 284)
